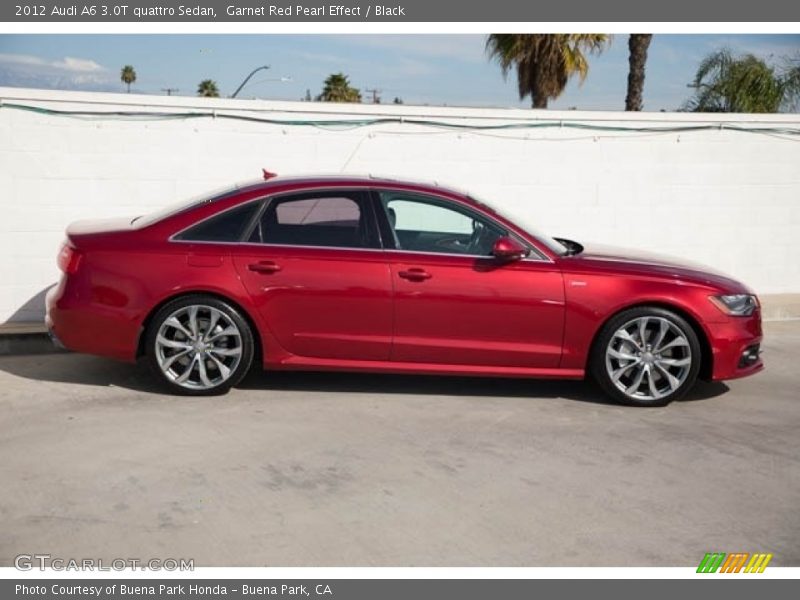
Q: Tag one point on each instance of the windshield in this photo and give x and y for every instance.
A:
(177, 207)
(526, 222)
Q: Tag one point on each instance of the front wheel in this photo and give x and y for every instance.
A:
(646, 356)
(199, 345)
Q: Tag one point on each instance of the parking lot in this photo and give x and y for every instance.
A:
(297, 469)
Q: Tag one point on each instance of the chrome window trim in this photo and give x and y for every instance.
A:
(346, 249)
(542, 257)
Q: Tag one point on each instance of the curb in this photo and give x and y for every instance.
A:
(27, 343)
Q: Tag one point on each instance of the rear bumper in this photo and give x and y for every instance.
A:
(83, 327)
(730, 340)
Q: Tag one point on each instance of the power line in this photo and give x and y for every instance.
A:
(431, 123)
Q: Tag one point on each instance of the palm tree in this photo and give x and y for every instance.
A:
(638, 43)
(336, 88)
(208, 89)
(544, 62)
(746, 84)
(128, 76)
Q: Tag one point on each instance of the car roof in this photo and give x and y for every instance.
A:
(301, 181)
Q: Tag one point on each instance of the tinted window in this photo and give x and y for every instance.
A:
(228, 226)
(424, 224)
(333, 219)
(339, 212)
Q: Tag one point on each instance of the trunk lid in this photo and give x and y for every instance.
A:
(86, 230)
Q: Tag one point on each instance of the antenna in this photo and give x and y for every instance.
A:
(169, 90)
(376, 99)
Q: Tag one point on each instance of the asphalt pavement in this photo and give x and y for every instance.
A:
(298, 469)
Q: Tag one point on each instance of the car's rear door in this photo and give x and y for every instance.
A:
(456, 304)
(314, 268)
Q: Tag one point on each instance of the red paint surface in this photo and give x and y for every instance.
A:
(383, 310)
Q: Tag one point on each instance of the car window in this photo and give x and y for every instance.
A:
(228, 226)
(338, 212)
(523, 219)
(332, 219)
(425, 224)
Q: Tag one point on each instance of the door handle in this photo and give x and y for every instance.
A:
(266, 267)
(415, 274)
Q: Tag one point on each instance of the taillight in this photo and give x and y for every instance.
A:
(69, 259)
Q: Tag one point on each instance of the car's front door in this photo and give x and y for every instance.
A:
(454, 303)
(314, 269)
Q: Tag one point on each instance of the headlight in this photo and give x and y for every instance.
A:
(737, 305)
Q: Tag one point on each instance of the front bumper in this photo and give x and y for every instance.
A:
(735, 347)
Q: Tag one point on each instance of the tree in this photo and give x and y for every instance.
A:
(397, 100)
(128, 76)
(544, 62)
(208, 89)
(746, 84)
(638, 43)
(336, 88)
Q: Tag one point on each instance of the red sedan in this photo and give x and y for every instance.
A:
(364, 274)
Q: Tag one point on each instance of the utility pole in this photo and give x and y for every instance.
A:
(169, 90)
(376, 99)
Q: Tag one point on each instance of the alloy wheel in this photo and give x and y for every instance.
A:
(648, 358)
(198, 347)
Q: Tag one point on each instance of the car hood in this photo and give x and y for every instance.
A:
(649, 263)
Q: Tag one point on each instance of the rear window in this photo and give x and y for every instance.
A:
(228, 226)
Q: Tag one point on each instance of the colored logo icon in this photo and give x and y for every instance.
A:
(738, 562)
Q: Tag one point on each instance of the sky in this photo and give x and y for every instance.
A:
(447, 69)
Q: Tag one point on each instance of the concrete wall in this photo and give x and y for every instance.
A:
(726, 198)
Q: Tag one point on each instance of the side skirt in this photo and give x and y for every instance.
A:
(303, 363)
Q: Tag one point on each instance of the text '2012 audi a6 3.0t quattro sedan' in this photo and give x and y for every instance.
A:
(366, 274)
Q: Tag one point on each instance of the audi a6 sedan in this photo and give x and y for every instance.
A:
(367, 274)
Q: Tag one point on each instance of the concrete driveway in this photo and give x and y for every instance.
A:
(339, 469)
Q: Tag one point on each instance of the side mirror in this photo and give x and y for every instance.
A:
(508, 249)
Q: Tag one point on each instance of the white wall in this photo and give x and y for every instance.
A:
(726, 198)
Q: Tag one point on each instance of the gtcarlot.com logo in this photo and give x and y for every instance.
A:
(28, 562)
(738, 562)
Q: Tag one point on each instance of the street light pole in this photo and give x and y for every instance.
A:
(246, 79)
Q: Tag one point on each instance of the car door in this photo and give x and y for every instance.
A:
(314, 268)
(454, 303)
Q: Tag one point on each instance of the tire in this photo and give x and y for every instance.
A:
(199, 345)
(652, 371)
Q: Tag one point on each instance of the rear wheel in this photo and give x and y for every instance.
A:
(646, 356)
(199, 345)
